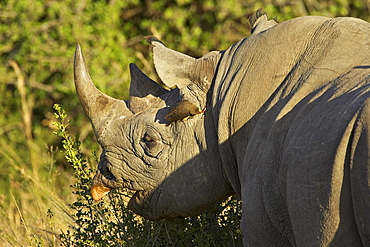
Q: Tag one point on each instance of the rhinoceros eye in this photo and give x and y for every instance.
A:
(152, 143)
(149, 141)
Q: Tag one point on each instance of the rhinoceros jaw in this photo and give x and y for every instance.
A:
(99, 191)
(136, 202)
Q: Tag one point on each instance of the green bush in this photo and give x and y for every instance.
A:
(37, 42)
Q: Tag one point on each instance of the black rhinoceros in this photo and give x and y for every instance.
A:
(285, 127)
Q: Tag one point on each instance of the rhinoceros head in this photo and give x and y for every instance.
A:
(167, 164)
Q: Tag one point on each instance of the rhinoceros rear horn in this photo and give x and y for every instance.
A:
(143, 90)
(98, 106)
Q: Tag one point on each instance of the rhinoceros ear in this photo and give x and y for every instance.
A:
(98, 106)
(177, 69)
(171, 66)
(258, 22)
(143, 90)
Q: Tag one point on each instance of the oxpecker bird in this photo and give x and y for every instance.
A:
(182, 111)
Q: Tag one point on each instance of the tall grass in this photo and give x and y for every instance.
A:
(34, 208)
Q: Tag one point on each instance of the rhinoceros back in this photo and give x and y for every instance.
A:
(292, 111)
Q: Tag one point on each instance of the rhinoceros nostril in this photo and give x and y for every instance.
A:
(105, 169)
(108, 174)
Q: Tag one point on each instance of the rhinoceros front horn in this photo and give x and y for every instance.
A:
(98, 106)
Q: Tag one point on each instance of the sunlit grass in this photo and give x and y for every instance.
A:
(34, 211)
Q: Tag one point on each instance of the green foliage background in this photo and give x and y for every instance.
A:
(37, 42)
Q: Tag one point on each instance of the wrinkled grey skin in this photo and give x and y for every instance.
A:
(286, 129)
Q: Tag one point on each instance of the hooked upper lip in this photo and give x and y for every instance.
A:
(99, 191)
(102, 183)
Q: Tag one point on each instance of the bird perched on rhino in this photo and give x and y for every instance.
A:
(182, 111)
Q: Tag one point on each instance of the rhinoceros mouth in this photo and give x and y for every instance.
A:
(102, 184)
(136, 203)
(98, 191)
(140, 202)
(105, 180)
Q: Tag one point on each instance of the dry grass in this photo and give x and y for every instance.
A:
(34, 209)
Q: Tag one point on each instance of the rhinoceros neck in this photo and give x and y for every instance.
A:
(236, 101)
